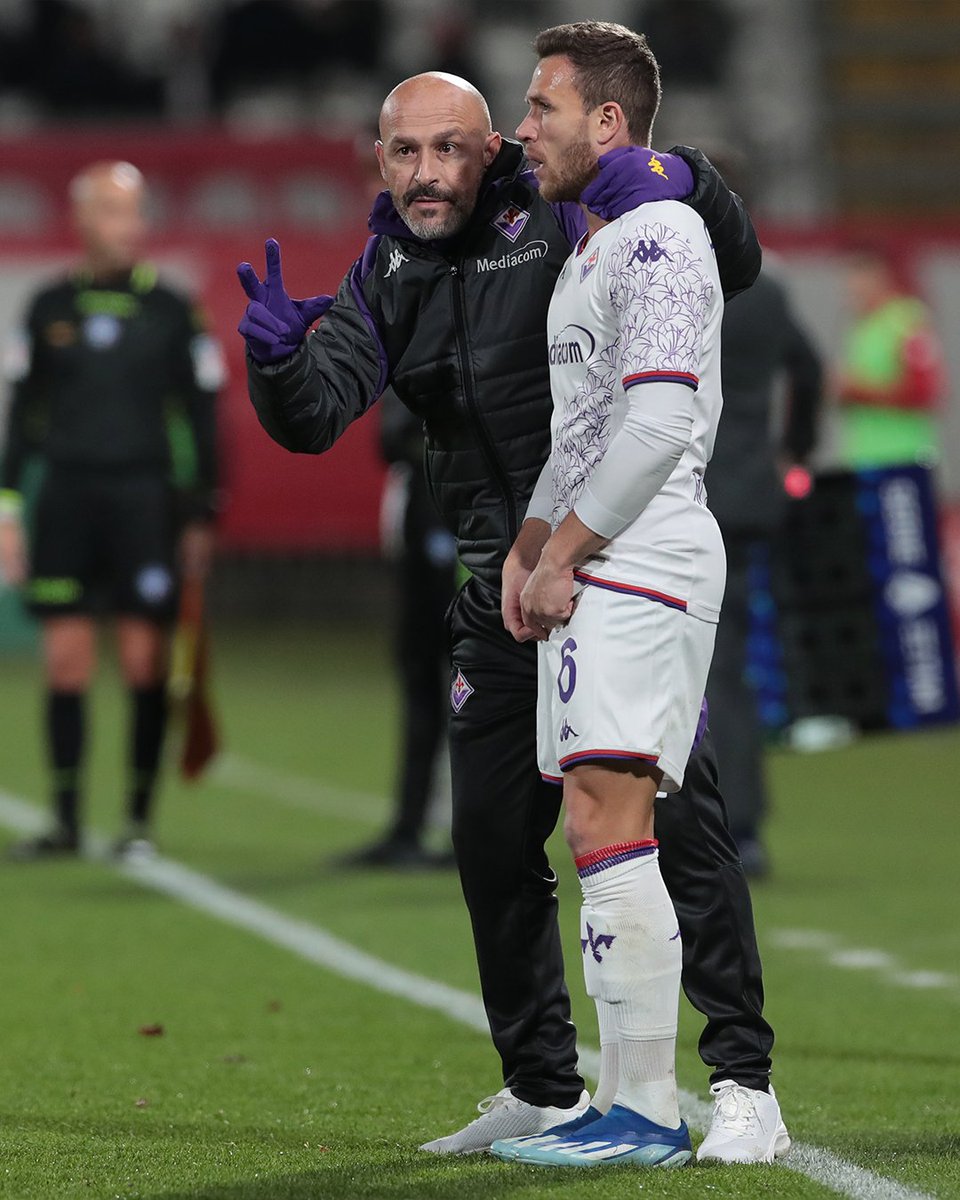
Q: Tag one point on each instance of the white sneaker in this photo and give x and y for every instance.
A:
(504, 1116)
(746, 1127)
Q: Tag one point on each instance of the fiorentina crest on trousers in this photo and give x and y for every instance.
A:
(460, 691)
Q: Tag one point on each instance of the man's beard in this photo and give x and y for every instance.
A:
(432, 228)
(577, 168)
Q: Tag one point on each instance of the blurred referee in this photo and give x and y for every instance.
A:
(114, 383)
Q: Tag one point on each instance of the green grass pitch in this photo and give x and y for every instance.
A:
(276, 1078)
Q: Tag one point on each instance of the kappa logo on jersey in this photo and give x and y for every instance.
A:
(589, 265)
(648, 252)
(397, 259)
(573, 344)
(656, 166)
(460, 691)
(567, 730)
(511, 222)
(597, 942)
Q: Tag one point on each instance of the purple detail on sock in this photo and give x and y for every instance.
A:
(675, 936)
(615, 860)
(597, 942)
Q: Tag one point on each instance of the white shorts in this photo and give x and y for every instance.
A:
(622, 680)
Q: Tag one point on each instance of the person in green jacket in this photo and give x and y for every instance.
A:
(891, 378)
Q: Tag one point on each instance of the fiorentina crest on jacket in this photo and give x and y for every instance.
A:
(511, 222)
(460, 691)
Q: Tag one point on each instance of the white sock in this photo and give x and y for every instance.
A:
(632, 959)
(609, 1057)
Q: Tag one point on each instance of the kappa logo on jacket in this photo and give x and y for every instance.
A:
(397, 259)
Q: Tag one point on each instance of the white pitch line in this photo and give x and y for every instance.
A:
(830, 950)
(297, 791)
(317, 946)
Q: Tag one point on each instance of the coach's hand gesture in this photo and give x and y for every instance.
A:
(273, 325)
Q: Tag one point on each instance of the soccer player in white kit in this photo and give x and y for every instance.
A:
(619, 570)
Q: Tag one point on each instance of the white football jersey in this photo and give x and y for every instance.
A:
(640, 302)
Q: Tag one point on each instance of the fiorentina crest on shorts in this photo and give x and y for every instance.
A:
(511, 222)
(460, 691)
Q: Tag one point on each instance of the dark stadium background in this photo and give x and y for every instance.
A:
(243, 134)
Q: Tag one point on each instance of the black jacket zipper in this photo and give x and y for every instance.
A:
(469, 393)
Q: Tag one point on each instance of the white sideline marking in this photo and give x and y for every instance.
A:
(828, 947)
(314, 944)
(297, 791)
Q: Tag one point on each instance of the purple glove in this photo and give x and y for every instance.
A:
(273, 325)
(632, 175)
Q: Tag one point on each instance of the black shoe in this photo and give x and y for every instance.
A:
(396, 854)
(58, 843)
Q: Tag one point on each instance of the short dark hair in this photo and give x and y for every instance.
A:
(611, 63)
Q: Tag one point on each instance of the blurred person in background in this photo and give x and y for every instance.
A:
(891, 376)
(423, 552)
(115, 382)
(448, 306)
(752, 467)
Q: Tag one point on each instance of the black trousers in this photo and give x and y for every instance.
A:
(733, 704)
(426, 584)
(502, 815)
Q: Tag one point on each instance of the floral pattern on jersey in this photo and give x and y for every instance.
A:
(661, 292)
(581, 437)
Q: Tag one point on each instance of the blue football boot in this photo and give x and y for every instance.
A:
(506, 1148)
(620, 1137)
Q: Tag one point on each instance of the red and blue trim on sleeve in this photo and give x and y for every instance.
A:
(687, 378)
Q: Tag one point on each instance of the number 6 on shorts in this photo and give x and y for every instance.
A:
(569, 668)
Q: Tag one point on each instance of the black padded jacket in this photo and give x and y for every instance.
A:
(458, 328)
